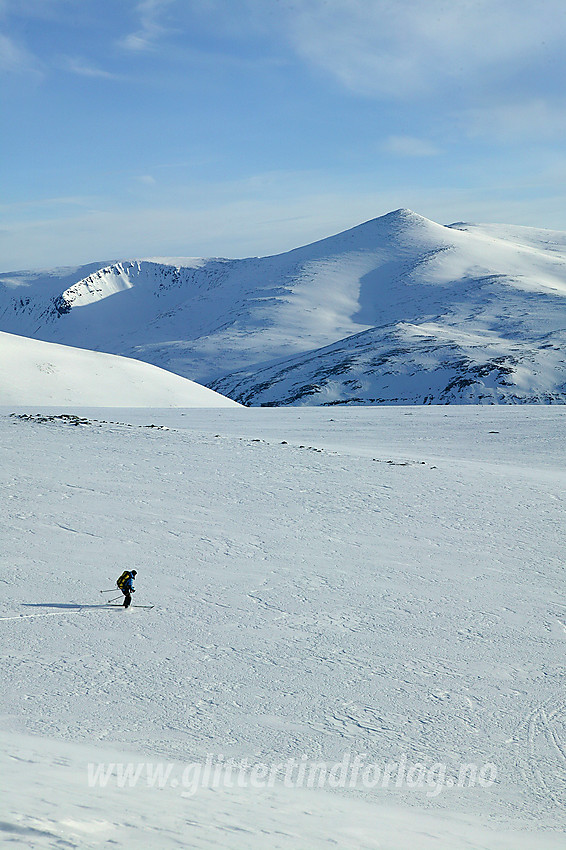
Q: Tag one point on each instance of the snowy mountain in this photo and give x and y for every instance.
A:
(397, 310)
(43, 373)
(411, 363)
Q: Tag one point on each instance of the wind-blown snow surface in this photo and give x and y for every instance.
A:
(35, 372)
(384, 583)
(399, 310)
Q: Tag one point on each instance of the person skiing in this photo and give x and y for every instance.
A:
(125, 583)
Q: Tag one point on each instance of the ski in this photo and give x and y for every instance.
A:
(114, 605)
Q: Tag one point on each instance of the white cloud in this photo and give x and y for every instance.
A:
(15, 58)
(411, 47)
(151, 29)
(536, 119)
(409, 146)
(85, 69)
(51, 205)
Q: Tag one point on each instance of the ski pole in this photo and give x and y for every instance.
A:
(114, 598)
(110, 589)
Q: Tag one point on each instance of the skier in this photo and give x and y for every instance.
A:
(125, 583)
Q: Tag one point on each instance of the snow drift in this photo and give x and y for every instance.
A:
(43, 373)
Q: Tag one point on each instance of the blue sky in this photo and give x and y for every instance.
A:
(249, 127)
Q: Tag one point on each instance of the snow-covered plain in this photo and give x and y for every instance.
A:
(380, 583)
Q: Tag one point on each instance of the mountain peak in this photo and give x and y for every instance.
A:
(403, 213)
(405, 216)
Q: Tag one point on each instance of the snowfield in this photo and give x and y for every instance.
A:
(35, 372)
(380, 587)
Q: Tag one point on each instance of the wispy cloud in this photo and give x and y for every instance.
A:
(409, 146)
(535, 119)
(146, 180)
(46, 205)
(79, 66)
(14, 58)
(151, 28)
(407, 47)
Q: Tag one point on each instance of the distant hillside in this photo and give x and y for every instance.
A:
(397, 310)
(412, 364)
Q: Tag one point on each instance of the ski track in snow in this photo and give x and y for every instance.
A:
(229, 818)
(371, 581)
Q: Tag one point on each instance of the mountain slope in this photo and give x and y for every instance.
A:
(432, 308)
(406, 363)
(42, 373)
(412, 364)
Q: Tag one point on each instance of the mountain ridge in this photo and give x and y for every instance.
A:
(226, 323)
